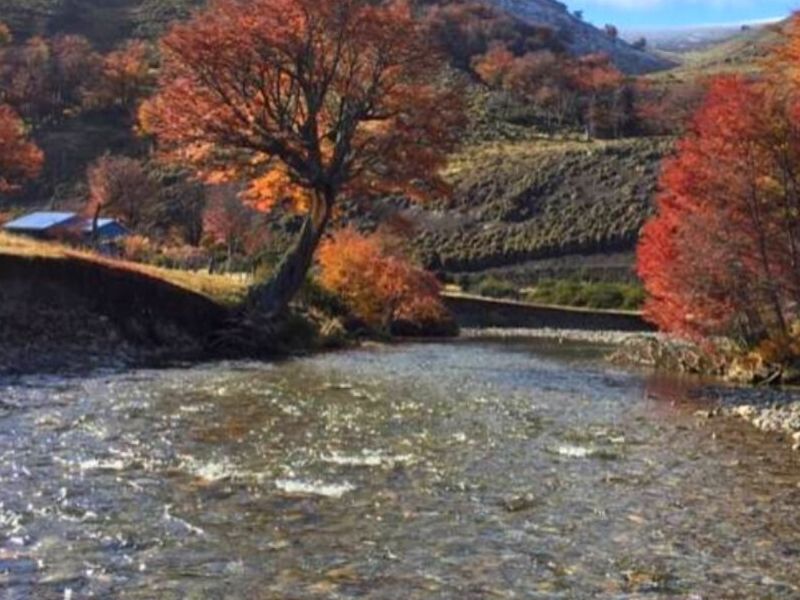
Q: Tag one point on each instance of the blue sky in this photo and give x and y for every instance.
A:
(628, 14)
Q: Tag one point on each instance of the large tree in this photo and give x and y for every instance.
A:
(20, 159)
(312, 100)
(723, 254)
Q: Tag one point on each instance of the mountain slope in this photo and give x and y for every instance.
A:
(584, 37)
(106, 23)
(743, 53)
(530, 201)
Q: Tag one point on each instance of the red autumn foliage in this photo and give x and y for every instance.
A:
(309, 99)
(668, 109)
(466, 29)
(47, 79)
(379, 284)
(587, 90)
(20, 159)
(722, 257)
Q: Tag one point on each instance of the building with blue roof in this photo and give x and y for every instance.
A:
(53, 225)
(44, 224)
(107, 229)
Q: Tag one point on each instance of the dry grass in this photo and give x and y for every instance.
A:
(477, 156)
(743, 54)
(223, 289)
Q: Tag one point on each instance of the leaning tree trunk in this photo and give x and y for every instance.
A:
(96, 225)
(271, 299)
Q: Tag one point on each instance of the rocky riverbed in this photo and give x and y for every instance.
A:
(472, 469)
(606, 338)
(772, 411)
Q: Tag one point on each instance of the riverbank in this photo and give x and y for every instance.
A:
(607, 338)
(777, 412)
(63, 310)
(73, 317)
(68, 311)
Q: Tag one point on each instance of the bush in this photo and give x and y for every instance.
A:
(589, 295)
(315, 296)
(493, 287)
(138, 248)
(602, 295)
(380, 284)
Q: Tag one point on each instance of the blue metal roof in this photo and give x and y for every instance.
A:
(106, 228)
(40, 221)
(88, 224)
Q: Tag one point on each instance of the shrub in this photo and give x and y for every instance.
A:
(602, 295)
(589, 294)
(138, 248)
(379, 284)
(493, 287)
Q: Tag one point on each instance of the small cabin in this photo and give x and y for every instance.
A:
(55, 225)
(44, 225)
(107, 229)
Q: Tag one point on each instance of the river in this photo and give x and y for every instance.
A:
(471, 469)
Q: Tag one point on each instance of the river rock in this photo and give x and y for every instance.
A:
(783, 418)
(519, 503)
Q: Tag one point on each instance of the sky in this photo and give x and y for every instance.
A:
(651, 14)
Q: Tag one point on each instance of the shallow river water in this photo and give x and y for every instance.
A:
(464, 470)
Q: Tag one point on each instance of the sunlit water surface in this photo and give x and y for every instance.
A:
(465, 470)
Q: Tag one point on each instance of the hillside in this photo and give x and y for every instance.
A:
(740, 53)
(583, 37)
(527, 205)
(681, 40)
(105, 23)
(523, 203)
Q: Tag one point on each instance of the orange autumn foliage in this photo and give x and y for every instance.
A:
(20, 159)
(378, 283)
(331, 95)
(310, 101)
(126, 76)
(586, 89)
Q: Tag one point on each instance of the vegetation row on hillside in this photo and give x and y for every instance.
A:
(519, 202)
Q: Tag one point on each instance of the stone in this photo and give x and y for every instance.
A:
(519, 503)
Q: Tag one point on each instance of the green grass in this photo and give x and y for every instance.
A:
(492, 287)
(562, 292)
(588, 294)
